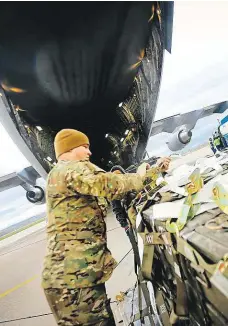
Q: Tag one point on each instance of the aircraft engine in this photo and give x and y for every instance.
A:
(179, 139)
(33, 184)
(36, 195)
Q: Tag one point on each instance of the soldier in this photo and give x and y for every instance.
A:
(213, 148)
(217, 141)
(77, 262)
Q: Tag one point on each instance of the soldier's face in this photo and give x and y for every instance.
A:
(81, 153)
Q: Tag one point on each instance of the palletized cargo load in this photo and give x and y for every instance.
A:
(182, 243)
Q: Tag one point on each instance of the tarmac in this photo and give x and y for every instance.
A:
(22, 301)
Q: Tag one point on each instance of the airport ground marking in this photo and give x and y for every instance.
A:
(22, 229)
(2, 295)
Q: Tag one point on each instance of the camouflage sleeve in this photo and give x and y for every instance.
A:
(152, 175)
(96, 182)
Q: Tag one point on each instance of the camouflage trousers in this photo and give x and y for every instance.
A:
(86, 306)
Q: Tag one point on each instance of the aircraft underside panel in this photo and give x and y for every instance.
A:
(95, 67)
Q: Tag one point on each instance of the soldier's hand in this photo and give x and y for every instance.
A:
(142, 169)
(163, 163)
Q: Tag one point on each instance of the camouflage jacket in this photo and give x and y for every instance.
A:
(77, 255)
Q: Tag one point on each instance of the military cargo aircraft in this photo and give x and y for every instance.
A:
(97, 67)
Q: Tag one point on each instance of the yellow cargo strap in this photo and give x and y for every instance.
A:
(188, 210)
(220, 196)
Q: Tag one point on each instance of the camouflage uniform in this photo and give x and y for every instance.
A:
(85, 306)
(78, 262)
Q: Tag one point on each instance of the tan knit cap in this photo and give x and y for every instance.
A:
(67, 139)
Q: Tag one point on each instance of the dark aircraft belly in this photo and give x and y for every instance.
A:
(69, 65)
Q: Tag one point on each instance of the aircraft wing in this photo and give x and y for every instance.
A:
(190, 119)
(26, 177)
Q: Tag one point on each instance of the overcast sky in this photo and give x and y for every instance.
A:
(194, 75)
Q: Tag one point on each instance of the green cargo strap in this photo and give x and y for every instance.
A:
(220, 276)
(182, 302)
(192, 254)
(140, 302)
(139, 316)
(181, 308)
(156, 238)
(149, 240)
(141, 283)
(174, 318)
(162, 308)
(147, 262)
(74, 235)
(148, 252)
(146, 295)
